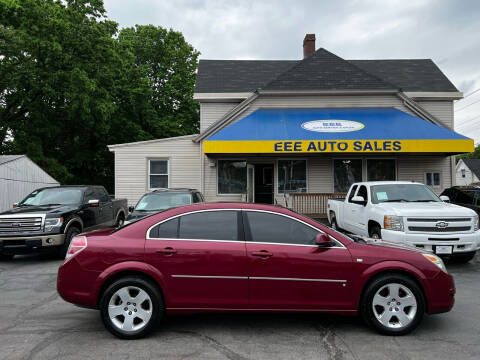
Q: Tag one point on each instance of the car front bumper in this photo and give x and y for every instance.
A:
(27, 244)
(440, 293)
(466, 242)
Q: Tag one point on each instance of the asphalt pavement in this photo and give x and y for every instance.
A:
(35, 323)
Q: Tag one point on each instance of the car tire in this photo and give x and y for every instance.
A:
(334, 224)
(120, 220)
(463, 258)
(375, 232)
(71, 232)
(6, 257)
(393, 304)
(120, 312)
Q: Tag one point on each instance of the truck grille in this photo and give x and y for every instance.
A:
(439, 225)
(20, 225)
(435, 229)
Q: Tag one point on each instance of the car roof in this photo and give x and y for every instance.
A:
(232, 205)
(163, 190)
(387, 182)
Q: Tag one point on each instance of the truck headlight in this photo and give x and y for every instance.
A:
(393, 222)
(475, 223)
(436, 260)
(53, 223)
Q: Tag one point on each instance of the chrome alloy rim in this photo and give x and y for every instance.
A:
(130, 308)
(394, 306)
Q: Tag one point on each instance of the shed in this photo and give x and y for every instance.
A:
(19, 176)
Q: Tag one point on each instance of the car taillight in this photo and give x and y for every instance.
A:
(77, 244)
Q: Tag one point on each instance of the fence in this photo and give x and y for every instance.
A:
(314, 204)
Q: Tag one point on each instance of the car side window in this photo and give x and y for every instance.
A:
(465, 197)
(273, 228)
(210, 225)
(363, 192)
(352, 193)
(101, 195)
(89, 195)
(197, 197)
(165, 230)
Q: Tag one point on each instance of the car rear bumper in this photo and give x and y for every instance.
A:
(440, 293)
(461, 242)
(28, 244)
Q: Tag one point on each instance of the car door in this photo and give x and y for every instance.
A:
(202, 256)
(90, 214)
(359, 214)
(106, 216)
(287, 270)
(349, 210)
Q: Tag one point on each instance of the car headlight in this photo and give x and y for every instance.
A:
(53, 223)
(475, 223)
(393, 222)
(436, 260)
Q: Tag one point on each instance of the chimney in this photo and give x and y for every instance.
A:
(308, 45)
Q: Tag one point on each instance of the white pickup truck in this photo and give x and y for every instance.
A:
(407, 212)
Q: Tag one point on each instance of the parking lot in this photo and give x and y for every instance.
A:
(37, 324)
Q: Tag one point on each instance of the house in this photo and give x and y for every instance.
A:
(288, 131)
(19, 176)
(467, 171)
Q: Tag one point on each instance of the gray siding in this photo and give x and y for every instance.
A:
(20, 177)
(441, 109)
(413, 168)
(131, 161)
(211, 112)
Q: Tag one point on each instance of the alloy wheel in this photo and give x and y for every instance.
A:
(394, 306)
(130, 308)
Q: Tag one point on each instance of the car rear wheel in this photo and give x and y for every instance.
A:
(130, 307)
(393, 305)
(120, 221)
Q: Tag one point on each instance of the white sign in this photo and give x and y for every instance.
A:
(332, 125)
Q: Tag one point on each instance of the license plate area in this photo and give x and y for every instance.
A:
(443, 249)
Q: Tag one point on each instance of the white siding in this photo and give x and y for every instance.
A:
(20, 177)
(131, 161)
(441, 109)
(469, 178)
(211, 112)
(413, 168)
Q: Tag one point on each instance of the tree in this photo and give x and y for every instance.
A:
(70, 84)
(473, 155)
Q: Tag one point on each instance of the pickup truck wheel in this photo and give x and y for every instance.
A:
(463, 258)
(131, 307)
(71, 232)
(375, 232)
(393, 305)
(120, 221)
(333, 223)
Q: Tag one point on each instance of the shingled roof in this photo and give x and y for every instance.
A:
(473, 165)
(320, 71)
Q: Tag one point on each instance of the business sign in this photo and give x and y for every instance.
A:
(332, 125)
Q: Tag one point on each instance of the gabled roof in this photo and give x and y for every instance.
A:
(473, 165)
(323, 70)
(415, 75)
(7, 158)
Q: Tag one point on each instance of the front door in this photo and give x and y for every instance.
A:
(288, 271)
(202, 257)
(264, 183)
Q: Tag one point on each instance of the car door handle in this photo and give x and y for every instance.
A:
(166, 251)
(262, 253)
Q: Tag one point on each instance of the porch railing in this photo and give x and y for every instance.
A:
(313, 204)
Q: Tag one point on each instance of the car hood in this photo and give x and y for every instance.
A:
(431, 209)
(137, 215)
(383, 243)
(41, 209)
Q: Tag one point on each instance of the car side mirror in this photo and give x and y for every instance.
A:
(445, 198)
(359, 200)
(323, 240)
(131, 208)
(93, 203)
(14, 205)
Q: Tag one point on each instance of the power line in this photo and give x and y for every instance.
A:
(468, 120)
(469, 94)
(467, 106)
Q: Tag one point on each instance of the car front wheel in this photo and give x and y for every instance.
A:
(393, 304)
(130, 307)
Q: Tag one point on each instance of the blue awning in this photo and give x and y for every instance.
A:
(360, 130)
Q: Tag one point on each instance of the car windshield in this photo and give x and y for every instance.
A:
(162, 201)
(402, 193)
(54, 196)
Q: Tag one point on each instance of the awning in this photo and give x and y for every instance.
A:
(333, 130)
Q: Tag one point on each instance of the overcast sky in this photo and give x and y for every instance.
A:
(446, 31)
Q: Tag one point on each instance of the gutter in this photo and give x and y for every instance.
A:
(417, 109)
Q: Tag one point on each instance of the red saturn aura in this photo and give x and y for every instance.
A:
(238, 257)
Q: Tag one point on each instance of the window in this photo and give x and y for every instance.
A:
(266, 227)
(165, 230)
(465, 197)
(232, 176)
(381, 169)
(432, 179)
(209, 225)
(352, 193)
(292, 176)
(463, 173)
(197, 197)
(363, 192)
(402, 193)
(157, 174)
(100, 194)
(345, 173)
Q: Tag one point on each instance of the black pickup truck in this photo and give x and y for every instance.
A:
(48, 218)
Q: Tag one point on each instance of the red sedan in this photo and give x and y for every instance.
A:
(247, 258)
